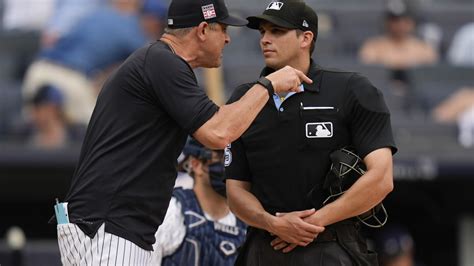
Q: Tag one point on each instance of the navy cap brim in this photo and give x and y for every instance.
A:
(233, 21)
(254, 22)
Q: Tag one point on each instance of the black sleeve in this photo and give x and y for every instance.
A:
(175, 85)
(235, 160)
(369, 117)
(240, 91)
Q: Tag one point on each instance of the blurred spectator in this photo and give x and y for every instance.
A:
(65, 15)
(398, 48)
(47, 118)
(449, 110)
(20, 25)
(461, 50)
(432, 34)
(27, 15)
(459, 108)
(79, 61)
(427, 29)
(395, 247)
(153, 15)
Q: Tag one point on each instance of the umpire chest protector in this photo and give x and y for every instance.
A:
(206, 242)
(286, 149)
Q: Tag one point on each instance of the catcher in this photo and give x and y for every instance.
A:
(199, 228)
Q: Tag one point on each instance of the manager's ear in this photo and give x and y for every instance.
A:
(202, 30)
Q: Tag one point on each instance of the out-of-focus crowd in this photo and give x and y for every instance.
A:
(78, 44)
(55, 56)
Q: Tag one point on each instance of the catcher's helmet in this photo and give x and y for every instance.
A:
(346, 168)
(196, 149)
(216, 169)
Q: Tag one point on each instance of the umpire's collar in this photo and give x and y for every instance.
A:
(314, 73)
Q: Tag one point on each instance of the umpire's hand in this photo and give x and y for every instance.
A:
(290, 228)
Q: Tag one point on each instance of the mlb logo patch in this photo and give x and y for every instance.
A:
(208, 11)
(275, 6)
(319, 130)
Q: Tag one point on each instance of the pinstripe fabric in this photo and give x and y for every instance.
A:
(104, 249)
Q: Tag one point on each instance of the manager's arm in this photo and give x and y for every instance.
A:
(233, 119)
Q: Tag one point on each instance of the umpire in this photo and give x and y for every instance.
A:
(284, 155)
(123, 182)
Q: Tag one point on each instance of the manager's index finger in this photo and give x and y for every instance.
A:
(303, 77)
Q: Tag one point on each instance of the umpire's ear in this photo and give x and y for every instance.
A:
(307, 39)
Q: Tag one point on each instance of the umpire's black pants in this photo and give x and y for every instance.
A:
(340, 244)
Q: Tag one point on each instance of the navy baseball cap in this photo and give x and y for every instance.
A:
(189, 13)
(48, 94)
(290, 14)
(154, 8)
(196, 149)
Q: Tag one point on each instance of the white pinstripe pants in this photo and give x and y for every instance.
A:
(104, 249)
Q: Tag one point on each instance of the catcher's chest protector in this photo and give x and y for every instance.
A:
(206, 242)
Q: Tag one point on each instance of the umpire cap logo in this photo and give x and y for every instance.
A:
(275, 6)
(319, 130)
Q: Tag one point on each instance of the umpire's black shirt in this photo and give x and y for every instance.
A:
(127, 166)
(285, 152)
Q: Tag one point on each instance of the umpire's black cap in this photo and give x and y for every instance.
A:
(189, 13)
(290, 14)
